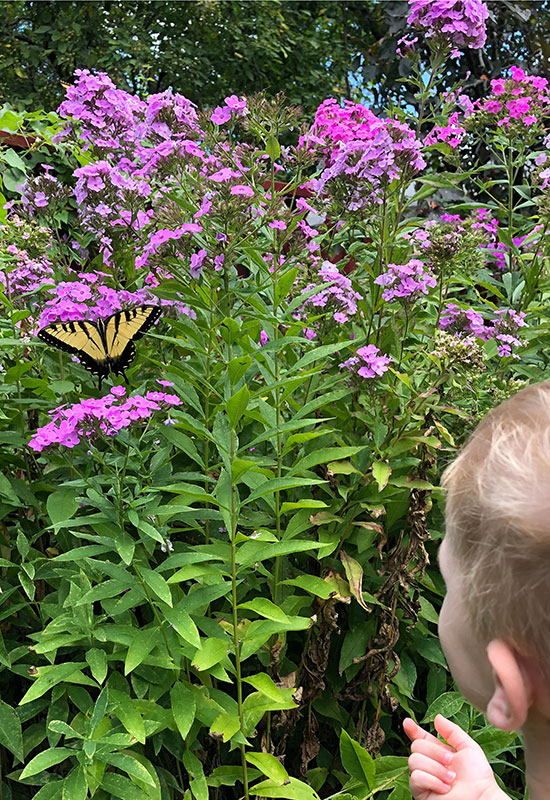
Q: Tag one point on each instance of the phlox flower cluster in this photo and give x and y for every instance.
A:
(89, 298)
(406, 281)
(455, 23)
(43, 192)
(334, 123)
(363, 167)
(517, 104)
(89, 419)
(24, 234)
(340, 298)
(450, 243)
(24, 274)
(123, 125)
(233, 106)
(452, 133)
(543, 161)
(367, 363)
(503, 327)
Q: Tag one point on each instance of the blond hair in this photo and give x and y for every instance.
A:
(497, 519)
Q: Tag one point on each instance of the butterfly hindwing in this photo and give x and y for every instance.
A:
(106, 345)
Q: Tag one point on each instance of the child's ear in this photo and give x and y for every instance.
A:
(512, 695)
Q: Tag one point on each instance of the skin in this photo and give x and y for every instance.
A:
(504, 684)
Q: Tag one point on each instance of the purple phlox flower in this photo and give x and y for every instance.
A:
(368, 362)
(460, 23)
(236, 104)
(224, 174)
(241, 189)
(196, 263)
(221, 115)
(264, 338)
(406, 280)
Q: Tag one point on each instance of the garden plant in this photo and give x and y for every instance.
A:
(219, 580)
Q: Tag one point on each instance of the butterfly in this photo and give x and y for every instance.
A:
(106, 345)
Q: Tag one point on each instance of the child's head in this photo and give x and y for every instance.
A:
(497, 540)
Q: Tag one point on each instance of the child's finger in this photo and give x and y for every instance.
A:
(416, 734)
(418, 761)
(420, 782)
(453, 734)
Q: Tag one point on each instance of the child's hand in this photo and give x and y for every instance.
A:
(431, 760)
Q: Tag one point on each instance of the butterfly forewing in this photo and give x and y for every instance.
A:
(126, 326)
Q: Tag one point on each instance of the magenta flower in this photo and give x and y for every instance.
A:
(406, 280)
(239, 188)
(460, 23)
(106, 416)
(221, 115)
(368, 363)
(278, 224)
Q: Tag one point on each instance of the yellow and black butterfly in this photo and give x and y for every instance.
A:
(106, 345)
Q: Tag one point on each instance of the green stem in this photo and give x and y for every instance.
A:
(236, 641)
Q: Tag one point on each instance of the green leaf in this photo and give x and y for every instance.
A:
(121, 787)
(131, 719)
(293, 790)
(354, 574)
(237, 368)
(49, 758)
(381, 471)
(302, 504)
(324, 455)
(180, 620)
(212, 652)
(127, 763)
(226, 726)
(265, 608)
(62, 505)
(266, 685)
(252, 551)
(157, 584)
(284, 284)
(48, 677)
(323, 352)
(270, 766)
(198, 785)
(273, 148)
(97, 661)
(144, 641)
(312, 584)
(277, 485)
(183, 705)
(10, 730)
(355, 760)
(237, 404)
(75, 786)
(449, 704)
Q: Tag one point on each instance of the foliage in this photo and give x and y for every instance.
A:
(209, 48)
(225, 586)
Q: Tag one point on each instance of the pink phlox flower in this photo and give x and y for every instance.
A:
(241, 189)
(221, 115)
(368, 362)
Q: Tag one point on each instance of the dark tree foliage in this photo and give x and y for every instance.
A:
(207, 49)
(203, 49)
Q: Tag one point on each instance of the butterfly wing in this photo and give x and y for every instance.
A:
(121, 331)
(82, 338)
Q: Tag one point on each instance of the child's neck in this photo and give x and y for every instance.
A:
(536, 737)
